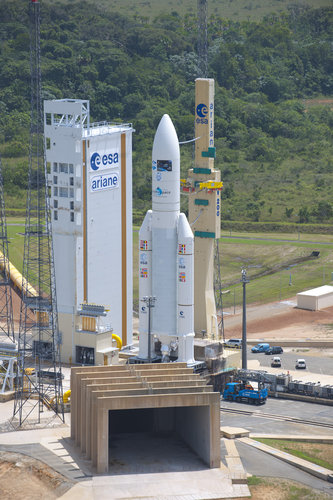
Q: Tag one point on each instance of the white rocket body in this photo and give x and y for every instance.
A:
(166, 255)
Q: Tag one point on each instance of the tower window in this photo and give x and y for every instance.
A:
(55, 215)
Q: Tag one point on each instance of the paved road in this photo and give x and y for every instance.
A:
(254, 238)
(257, 423)
(261, 464)
(314, 364)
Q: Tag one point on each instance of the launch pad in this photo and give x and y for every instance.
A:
(175, 401)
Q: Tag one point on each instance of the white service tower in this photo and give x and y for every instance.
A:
(166, 257)
(90, 179)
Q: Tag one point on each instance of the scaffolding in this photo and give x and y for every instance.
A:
(218, 290)
(6, 309)
(38, 375)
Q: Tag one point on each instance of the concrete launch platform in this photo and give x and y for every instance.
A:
(165, 399)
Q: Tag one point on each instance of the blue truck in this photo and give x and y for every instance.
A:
(262, 347)
(242, 392)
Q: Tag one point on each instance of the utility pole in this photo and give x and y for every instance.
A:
(150, 302)
(244, 346)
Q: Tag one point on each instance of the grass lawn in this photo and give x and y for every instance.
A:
(274, 265)
(15, 241)
(317, 453)
(277, 270)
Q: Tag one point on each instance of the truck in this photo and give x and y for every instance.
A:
(242, 392)
(262, 347)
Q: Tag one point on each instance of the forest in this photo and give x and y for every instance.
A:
(273, 97)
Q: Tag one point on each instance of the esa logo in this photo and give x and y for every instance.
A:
(103, 161)
(181, 263)
(181, 314)
(143, 259)
(202, 110)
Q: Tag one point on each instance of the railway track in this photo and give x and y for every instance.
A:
(272, 416)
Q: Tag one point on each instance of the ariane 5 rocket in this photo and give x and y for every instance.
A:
(166, 258)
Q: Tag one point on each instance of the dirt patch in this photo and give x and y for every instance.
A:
(282, 489)
(275, 321)
(24, 478)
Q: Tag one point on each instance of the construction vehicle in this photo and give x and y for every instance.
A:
(243, 392)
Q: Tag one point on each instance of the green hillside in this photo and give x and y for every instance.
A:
(274, 93)
(237, 10)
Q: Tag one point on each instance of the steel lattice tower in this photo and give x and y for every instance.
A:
(39, 378)
(202, 39)
(218, 288)
(6, 309)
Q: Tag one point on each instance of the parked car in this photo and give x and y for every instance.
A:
(275, 349)
(276, 362)
(262, 347)
(300, 364)
(237, 343)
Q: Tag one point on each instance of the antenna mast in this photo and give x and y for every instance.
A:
(38, 378)
(202, 39)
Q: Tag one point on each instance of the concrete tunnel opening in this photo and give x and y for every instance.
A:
(164, 438)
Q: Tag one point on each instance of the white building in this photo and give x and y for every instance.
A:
(90, 178)
(316, 299)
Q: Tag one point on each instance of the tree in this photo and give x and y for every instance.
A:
(289, 212)
(304, 215)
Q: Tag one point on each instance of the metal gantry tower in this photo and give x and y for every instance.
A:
(202, 39)
(218, 289)
(39, 377)
(6, 309)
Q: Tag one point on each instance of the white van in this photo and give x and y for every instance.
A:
(276, 362)
(300, 363)
(235, 343)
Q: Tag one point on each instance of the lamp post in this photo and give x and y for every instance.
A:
(244, 354)
(150, 302)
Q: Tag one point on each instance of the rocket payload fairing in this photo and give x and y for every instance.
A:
(166, 256)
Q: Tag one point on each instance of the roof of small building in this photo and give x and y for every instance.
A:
(318, 292)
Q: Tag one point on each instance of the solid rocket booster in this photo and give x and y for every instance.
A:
(166, 255)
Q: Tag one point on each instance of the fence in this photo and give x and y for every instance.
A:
(282, 285)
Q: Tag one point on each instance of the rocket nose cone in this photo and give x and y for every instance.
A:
(166, 144)
(165, 121)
